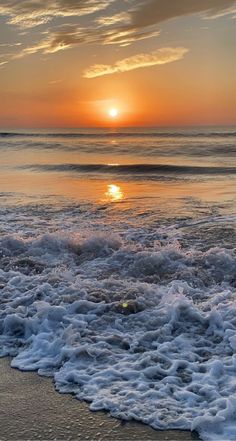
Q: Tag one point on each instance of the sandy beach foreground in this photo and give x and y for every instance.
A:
(30, 409)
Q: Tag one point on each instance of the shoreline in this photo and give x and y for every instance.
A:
(31, 409)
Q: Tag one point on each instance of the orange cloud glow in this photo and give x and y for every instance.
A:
(158, 57)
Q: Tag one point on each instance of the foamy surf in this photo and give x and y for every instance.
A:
(137, 320)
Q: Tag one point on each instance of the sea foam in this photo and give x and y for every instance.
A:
(130, 321)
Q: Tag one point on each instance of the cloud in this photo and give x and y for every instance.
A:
(156, 11)
(152, 12)
(68, 36)
(114, 19)
(126, 36)
(9, 44)
(54, 82)
(138, 20)
(30, 13)
(158, 57)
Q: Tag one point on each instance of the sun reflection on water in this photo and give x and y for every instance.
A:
(114, 193)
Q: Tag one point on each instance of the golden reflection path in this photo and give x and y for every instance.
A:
(114, 193)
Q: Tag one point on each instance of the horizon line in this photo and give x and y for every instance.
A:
(156, 127)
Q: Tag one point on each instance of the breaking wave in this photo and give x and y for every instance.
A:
(132, 322)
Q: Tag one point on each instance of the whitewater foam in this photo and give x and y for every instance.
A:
(130, 321)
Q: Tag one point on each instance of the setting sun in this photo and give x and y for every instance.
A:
(113, 112)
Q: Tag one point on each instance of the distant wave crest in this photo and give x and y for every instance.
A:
(133, 169)
(120, 134)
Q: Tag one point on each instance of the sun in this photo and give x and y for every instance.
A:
(113, 113)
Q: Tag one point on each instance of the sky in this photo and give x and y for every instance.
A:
(67, 63)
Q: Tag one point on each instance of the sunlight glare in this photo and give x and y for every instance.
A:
(114, 193)
(113, 112)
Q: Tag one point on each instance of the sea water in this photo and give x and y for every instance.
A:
(118, 270)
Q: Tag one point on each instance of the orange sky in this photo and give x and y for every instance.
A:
(156, 64)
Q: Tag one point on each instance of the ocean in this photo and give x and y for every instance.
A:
(118, 269)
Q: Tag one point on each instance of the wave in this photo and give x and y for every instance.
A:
(120, 134)
(145, 332)
(132, 169)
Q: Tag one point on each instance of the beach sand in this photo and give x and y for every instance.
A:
(31, 409)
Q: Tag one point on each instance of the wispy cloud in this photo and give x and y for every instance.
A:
(30, 13)
(158, 57)
(54, 82)
(126, 36)
(9, 44)
(68, 36)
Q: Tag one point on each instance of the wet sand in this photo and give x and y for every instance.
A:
(31, 409)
